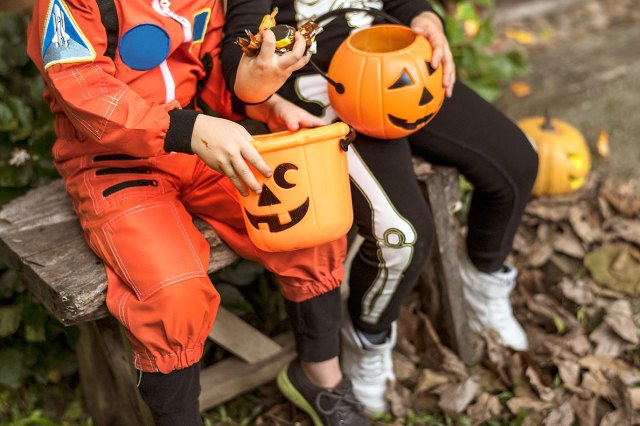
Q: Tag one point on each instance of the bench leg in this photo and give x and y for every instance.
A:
(441, 189)
(108, 377)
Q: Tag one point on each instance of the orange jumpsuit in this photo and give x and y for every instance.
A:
(119, 119)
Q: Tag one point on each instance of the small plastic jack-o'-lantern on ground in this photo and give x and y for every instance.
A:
(390, 88)
(307, 200)
(564, 158)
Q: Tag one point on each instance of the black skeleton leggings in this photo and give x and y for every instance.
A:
(390, 211)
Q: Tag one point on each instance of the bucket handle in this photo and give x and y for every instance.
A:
(336, 12)
(346, 141)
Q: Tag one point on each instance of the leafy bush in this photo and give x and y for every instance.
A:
(26, 125)
(470, 34)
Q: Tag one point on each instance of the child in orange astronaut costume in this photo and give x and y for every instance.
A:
(121, 78)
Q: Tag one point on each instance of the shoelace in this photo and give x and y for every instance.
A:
(501, 310)
(372, 365)
(339, 400)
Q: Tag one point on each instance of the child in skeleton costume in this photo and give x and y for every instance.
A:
(121, 78)
(389, 209)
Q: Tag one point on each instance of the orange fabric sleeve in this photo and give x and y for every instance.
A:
(214, 92)
(101, 107)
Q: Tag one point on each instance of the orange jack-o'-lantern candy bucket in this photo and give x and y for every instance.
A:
(307, 200)
(382, 82)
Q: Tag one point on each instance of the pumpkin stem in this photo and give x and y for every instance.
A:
(547, 124)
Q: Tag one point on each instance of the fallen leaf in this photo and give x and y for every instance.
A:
(577, 291)
(616, 366)
(561, 416)
(585, 223)
(566, 242)
(430, 379)
(520, 89)
(623, 200)
(619, 318)
(471, 27)
(455, 397)
(486, 407)
(612, 265)
(544, 392)
(516, 404)
(602, 144)
(615, 418)
(608, 343)
(624, 229)
(403, 367)
(520, 36)
(597, 383)
(585, 410)
(399, 398)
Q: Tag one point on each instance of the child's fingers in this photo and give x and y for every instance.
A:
(233, 176)
(310, 120)
(300, 45)
(268, 46)
(251, 155)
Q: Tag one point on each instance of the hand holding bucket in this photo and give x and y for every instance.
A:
(307, 200)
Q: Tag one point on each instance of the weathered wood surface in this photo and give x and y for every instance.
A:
(241, 339)
(41, 239)
(441, 189)
(232, 377)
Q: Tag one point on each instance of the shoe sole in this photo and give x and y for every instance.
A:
(292, 394)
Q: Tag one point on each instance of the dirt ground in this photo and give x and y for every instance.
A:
(585, 69)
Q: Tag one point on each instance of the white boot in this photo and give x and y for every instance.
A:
(487, 296)
(369, 366)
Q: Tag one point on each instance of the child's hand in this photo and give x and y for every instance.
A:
(226, 147)
(429, 25)
(280, 114)
(258, 77)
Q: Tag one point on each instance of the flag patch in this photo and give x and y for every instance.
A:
(63, 41)
(200, 22)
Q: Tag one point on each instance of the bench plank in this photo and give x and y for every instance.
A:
(244, 341)
(232, 377)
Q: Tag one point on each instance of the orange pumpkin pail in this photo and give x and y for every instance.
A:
(387, 87)
(307, 200)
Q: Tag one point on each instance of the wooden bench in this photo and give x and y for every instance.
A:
(41, 239)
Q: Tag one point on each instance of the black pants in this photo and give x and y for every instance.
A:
(390, 211)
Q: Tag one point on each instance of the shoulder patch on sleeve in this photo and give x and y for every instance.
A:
(200, 22)
(62, 40)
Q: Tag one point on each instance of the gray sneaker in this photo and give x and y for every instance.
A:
(487, 296)
(326, 407)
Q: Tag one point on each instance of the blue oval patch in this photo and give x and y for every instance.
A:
(144, 46)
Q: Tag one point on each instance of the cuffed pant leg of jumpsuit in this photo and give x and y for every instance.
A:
(136, 215)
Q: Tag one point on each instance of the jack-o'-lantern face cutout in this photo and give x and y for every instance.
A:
(406, 88)
(390, 88)
(269, 201)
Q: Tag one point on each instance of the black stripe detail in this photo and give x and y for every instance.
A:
(119, 170)
(128, 184)
(109, 18)
(110, 157)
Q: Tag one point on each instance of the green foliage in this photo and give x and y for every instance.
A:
(26, 125)
(470, 34)
(38, 370)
